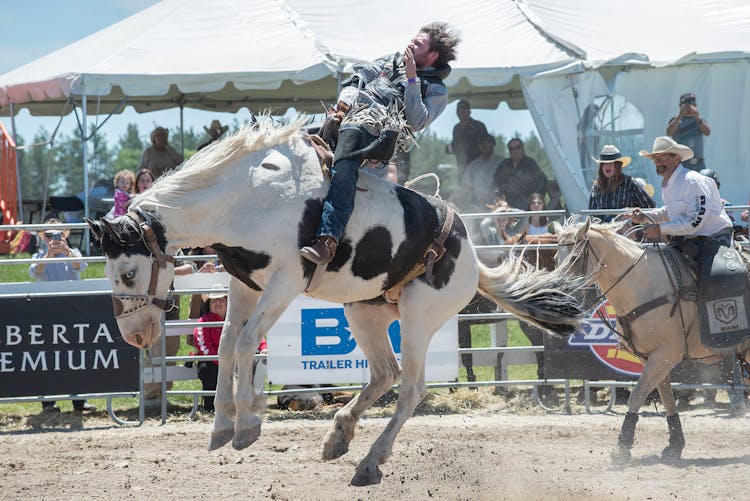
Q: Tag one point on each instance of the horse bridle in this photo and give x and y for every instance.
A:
(585, 254)
(126, 304)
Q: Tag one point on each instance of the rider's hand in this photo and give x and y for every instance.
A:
(652, 231)
(637, 216)
(410, 66)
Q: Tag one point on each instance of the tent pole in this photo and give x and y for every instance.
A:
(182, 129)
(84, 155)
(18, 173)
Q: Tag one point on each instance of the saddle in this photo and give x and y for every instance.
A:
(724, 298)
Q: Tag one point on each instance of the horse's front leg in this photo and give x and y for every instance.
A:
(240, 305)
(249, 405)
(655, 371)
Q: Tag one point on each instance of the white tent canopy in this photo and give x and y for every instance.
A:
(226, 54)
(561, 59)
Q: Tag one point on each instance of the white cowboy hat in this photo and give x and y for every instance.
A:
(214, 295)
(647, 187)
(610, 153)
(216, 126)
(666, 144)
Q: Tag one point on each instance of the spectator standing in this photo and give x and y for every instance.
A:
(214, 131)
(466, 135)
(614, 190)
(54, 244)
(475, 192)
(160, 157)
(519, 176)
(124, 187)
(688, 128)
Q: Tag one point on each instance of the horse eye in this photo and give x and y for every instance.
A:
(129, 275)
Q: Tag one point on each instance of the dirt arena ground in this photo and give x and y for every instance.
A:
(500, 451)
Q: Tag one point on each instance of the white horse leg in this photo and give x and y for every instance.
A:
(278, 294)
(423, 310)
(369, 325)
(240, 305)
(660, 362)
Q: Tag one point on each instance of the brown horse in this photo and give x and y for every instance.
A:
(661, 333)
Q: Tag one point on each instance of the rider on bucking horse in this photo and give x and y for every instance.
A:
(369, 119)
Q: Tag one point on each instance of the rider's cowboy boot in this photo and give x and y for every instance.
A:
(321, 251)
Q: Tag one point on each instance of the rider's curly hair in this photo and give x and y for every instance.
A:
(444, 40)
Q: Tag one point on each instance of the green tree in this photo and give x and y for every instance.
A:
(128, 150)
(33, 164)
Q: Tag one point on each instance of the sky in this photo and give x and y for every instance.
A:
(27, 36)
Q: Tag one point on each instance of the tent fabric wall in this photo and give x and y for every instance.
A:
(723, 97)
(556, 104)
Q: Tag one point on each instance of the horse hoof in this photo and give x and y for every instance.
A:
(621, 456)
(219, 438)
(671, 453)
(246, 437)
(367, 476)
(335, 451)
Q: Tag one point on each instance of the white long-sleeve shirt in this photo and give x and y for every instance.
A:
(692, 206)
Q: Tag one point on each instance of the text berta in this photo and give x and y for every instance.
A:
(56, 334)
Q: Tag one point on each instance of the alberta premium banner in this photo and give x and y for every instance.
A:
(62, 346)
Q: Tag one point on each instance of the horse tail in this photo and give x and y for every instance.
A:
(545, 299)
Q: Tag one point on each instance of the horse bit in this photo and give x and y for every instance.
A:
(127, 304)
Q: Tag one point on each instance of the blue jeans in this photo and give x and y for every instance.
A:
(339, 204)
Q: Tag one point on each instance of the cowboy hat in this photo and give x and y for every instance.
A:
(665, 144)
(216, 126)
(647, 187)
(158, 130)
(214, 295)
(610, 153)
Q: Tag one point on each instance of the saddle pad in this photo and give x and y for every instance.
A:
(724, 303)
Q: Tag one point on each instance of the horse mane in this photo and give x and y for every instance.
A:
(203, 169)
(610, 231)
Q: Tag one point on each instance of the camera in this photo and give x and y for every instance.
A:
(57, 236)
(690, 101)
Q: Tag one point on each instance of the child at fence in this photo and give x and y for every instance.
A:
(124, 185)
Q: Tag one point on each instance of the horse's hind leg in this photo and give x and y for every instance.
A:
(242, 300)
(369, 325)
(676, 437)
(423, 311)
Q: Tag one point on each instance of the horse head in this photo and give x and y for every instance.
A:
(139, 272)
(573, 246)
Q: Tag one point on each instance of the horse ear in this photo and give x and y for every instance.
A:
(96, 228)
(583, 230)
(556, 228)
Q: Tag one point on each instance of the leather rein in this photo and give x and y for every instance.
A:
(128, 304)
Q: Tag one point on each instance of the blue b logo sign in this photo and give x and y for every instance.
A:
(326, 332)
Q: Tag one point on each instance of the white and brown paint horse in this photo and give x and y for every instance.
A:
(256, 198)
(661, 332)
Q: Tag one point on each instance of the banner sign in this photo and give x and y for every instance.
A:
(591, 353)
(62, 346)
(312, 344)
